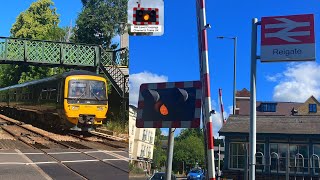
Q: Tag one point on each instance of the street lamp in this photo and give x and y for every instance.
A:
(234, 68)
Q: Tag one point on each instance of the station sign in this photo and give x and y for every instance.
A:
(287, 38)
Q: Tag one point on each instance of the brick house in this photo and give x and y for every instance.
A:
(288, 139)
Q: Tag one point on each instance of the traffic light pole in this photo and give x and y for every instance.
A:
(205, 79)
(170, 154)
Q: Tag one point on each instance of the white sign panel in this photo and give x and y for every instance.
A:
(287, 38)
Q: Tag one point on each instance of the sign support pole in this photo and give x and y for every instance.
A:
(170, 153)
(252, 135)
(205, 79)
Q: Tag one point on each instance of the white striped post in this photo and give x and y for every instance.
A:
(205, 79)
(221, 106)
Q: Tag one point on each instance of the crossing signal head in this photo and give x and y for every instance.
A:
(146, 16)
(168, 104)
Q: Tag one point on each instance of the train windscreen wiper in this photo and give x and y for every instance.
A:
(95, 96)
(78, 98)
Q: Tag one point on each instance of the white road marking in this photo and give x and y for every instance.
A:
(88, 160)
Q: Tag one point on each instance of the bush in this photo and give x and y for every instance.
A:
(135, 170)
(118, 123)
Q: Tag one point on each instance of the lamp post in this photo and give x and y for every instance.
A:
(234, 68)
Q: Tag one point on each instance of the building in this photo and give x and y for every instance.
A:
(288, 139)
(124, 39)
(141, 142)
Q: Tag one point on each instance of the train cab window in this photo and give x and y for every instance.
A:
(87, 91)
(97, 90)
(77, 89)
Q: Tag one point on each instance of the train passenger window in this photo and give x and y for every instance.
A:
(44, 94)
(53, 94)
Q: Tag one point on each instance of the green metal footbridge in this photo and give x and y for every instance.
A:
(113, 64)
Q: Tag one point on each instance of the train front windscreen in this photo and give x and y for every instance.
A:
(87, 92)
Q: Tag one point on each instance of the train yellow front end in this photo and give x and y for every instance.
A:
(85, 101)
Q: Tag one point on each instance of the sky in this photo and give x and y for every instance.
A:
(174, 56)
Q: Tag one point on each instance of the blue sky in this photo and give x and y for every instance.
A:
(174, 56)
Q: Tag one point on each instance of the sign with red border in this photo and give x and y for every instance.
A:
(287, 38)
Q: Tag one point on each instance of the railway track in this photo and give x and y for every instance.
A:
(100, 138)
(42, 140)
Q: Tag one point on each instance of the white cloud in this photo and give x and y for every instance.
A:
(274, 78)
(217, 119)
(230, 109)
(135, 80)
(298, 83)
(164, 131)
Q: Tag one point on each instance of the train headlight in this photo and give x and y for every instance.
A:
(75, 108)
(99, 108)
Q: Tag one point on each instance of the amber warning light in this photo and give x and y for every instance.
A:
(164, 110)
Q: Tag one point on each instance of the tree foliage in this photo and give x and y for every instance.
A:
(189, 148)
(100, 21)
(39, 21)
(159, 155)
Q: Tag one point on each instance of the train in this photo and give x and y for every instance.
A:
(74, 100)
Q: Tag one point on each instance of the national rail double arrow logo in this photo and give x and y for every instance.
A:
(285, 33)
(287, 38)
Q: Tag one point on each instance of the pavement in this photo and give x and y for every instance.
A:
(63, 164)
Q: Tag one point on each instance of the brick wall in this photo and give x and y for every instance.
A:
(304, 109)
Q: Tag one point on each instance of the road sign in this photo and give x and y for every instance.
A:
(287, 38)
(145, 17)
(169, 105)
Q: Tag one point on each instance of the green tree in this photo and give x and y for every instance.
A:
(188, 148)
(197, 132)
(100, 20)
(39, 21)
(159, 154)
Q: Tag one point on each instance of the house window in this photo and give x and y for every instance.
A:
(298, 154)
(142, 151)
(315, 162)
(278, 150)
(144, 135)
(151, 138)
(312, 108)
(260, 155)
(130, 146)
(132, 130)
(237, 155)
(268, 107)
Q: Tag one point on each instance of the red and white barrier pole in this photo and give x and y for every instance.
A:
(223, 121)
(205, 79)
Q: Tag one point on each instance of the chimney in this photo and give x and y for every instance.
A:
(243, 95)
